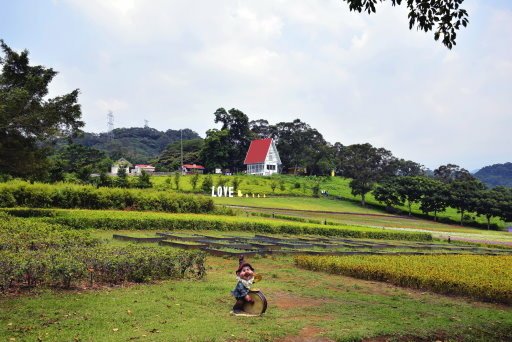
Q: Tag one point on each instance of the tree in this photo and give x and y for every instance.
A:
(194, 180)
(489, 203)
(79, 160)
(408, 168)
(300, 145)
(236, 183)
(261, 129)
(445, 16)
(464, 195)
(450, 172)
(216, 150)
(170, 159)
(435, 197)
(366, 165)
(410, 189)
(387, 193)
(144, 180)
(239, 137)
(29, 121)
(177, 180)
(122, 178)
(207, 183)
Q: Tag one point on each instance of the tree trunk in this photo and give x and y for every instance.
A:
(409, 204)
(488, 222)
(363, 203)
(461, 216)
(435, 215)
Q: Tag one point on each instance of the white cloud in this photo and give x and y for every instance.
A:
(355, 77)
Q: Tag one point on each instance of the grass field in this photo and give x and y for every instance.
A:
(302, 187)
(336, 211)
(303, 306)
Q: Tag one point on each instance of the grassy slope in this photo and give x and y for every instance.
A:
(301, 303)
(301, 187)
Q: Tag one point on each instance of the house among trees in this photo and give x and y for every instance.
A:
(120, 164)
(262, 158)
(140, 167)
(192, 168)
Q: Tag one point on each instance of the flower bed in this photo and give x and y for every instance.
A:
(486, 278)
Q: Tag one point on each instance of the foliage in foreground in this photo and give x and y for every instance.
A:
(46, 255)
(19, 193)
(487, 278)
(136, 220)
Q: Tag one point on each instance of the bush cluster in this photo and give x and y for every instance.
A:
(49, 255)
(19, 193)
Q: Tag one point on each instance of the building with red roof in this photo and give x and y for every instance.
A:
(262, 158)
(192, 168)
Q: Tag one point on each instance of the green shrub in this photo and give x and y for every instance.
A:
(130, 220)
(23, 194)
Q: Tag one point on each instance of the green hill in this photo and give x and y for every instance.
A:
(136, 144)
(496, 175)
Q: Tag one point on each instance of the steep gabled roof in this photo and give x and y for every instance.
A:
(257, 151)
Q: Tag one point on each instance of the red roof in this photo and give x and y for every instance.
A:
(193, 166)
(257, 151)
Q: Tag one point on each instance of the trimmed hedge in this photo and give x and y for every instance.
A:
(129, 220)
(39, 195)
(35, 253)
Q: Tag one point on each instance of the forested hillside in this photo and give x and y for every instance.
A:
(136, 144)
(496, 175)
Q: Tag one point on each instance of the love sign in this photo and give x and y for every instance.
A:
(222, 191)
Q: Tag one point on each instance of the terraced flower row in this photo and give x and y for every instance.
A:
(107, 219)
(487, 278)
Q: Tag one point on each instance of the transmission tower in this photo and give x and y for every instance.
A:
(110, 125)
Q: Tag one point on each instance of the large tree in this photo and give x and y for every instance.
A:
(464, 194)
(443, 16)
(435, 196)
(238, 138)
(366, 165)
(29, 121)
(300, 145)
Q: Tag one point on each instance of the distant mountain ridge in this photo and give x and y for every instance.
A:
(139, 145)
(496, 175)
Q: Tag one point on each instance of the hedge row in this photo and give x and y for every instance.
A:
(30, 234)
(20, 193)
(483, 277)
(101, 264)
(130, 220)
(35, 253)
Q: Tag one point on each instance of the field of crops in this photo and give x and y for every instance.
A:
(487, 278)
(110, 219)
(39, 254)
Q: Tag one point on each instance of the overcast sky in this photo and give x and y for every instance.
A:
(356, 78)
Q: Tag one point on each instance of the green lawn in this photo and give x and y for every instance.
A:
(299, 203)
(302, 304)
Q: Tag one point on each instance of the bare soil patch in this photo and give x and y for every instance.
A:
(285, 300)
(307, 334)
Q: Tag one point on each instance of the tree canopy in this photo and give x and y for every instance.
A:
(29, 121)
(444, 17)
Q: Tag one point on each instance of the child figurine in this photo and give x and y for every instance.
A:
(245, 278)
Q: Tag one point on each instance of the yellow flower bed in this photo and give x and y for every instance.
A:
(483, 277)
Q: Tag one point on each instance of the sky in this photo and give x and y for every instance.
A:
(354, 77)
